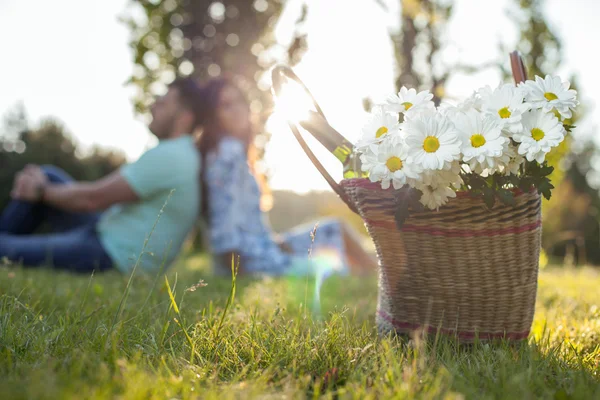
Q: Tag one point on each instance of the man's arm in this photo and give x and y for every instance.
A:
(32, 185)
(89, 196)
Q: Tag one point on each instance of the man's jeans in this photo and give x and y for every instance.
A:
(72, 244)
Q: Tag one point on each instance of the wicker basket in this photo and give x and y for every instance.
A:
(465, 270)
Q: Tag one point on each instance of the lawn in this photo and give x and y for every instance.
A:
(74, 337)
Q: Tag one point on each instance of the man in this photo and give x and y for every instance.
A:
(144, 210)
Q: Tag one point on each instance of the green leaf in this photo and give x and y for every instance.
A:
(489, 197)
(525, 183)
(514, 180)
(499, 180)
(476, 182)
(407, 200)
(545, 170)
(544, 187)
(401, 214)
(415, 203)
(506, 197)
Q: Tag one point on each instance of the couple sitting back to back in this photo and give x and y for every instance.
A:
(142, 213)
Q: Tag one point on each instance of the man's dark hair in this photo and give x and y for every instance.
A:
(190, 95)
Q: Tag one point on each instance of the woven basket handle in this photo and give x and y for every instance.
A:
(279, 74)
(518, 68)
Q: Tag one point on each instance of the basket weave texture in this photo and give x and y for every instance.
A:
(464, 270)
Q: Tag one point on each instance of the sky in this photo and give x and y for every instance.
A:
(70, 59)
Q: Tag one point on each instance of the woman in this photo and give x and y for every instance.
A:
(231, 203)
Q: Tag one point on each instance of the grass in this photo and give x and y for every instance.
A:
(67, 336)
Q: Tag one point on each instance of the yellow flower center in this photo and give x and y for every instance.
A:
(381, 131)
(431, 144)
(537, 134)
(550, 96)
(504, 112)
(477, 140)
(394, 164)
(407, 105)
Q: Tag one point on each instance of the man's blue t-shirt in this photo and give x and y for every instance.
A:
(172, 169)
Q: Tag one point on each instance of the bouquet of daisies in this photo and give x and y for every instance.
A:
(494, 141)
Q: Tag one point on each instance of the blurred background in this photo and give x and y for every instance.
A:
(77, 77)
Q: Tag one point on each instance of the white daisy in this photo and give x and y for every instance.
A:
(481, 137)
(409, 102)
(505, 104)
(472, 102)
(550, 93)
(432, 141)
(435, 178)
(389, 165)
(541, 132)
(379, 126)
(511, 160)
(433, 197)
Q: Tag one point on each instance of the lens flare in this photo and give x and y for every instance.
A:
(317, 268)
(293, 103)
(327, 262)
(323, 271)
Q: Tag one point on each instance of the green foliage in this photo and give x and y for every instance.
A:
(167, 34)
(206, 38)
(538, 43)
(571, 219)
(419, 46)
(489, 188)
(48, 144)
(572, 226)
(406, 201)
(539, 176)
(541, 49)
(496, 186)
(54, 330)
(422, 26)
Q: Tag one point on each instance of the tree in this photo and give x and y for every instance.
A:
(540, 48)
(539, 45)
(418, 45)
(206, 38)
(571, 228)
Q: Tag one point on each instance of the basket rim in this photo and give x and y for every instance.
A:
(365, 183)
